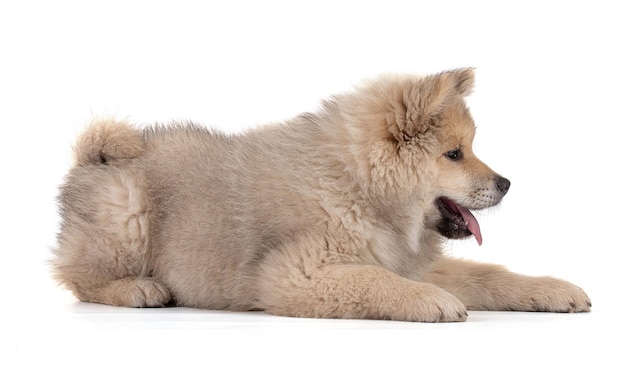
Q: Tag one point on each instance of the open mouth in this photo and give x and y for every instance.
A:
(457, 221)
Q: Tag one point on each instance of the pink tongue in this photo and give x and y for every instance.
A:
(472, 223)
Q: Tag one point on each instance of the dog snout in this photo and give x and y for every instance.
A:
(502, 184)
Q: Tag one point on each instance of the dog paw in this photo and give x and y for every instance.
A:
(436, 305)
(130, 292)
(147, 292)
(547, 294)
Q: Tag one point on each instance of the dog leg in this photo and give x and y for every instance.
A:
(361, 292)
(129, 292)
(104, 251)
(490, 287)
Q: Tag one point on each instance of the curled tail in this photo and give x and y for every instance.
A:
(108, 140)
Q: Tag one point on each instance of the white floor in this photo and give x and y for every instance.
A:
(54, 330)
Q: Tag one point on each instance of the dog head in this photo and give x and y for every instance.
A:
(463, 181)
(412, 142)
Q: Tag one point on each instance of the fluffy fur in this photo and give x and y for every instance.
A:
(336, 214)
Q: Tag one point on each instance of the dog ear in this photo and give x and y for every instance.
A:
(426, 98)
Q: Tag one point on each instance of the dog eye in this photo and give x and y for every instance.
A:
(454, 155)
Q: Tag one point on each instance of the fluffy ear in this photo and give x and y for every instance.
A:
(436, 92)
(428, 97)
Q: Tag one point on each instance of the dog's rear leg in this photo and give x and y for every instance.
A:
(130, 292)
(104, 253)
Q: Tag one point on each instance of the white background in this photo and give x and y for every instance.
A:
(548, 103)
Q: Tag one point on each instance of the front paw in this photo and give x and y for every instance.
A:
(547, 294)
(433, 304)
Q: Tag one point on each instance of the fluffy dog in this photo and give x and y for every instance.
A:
(335, 214)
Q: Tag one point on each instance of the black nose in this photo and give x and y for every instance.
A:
(503, 184)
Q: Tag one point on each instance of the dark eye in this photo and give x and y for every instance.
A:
(455, 155)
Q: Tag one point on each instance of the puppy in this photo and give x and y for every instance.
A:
(336, 214)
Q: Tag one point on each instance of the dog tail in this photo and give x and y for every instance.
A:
(108, 140)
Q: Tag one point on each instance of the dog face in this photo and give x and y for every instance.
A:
(463, 182)
(412, 143)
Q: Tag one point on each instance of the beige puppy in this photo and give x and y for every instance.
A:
(336, 214)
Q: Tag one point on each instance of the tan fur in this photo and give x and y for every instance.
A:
(332, 214)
